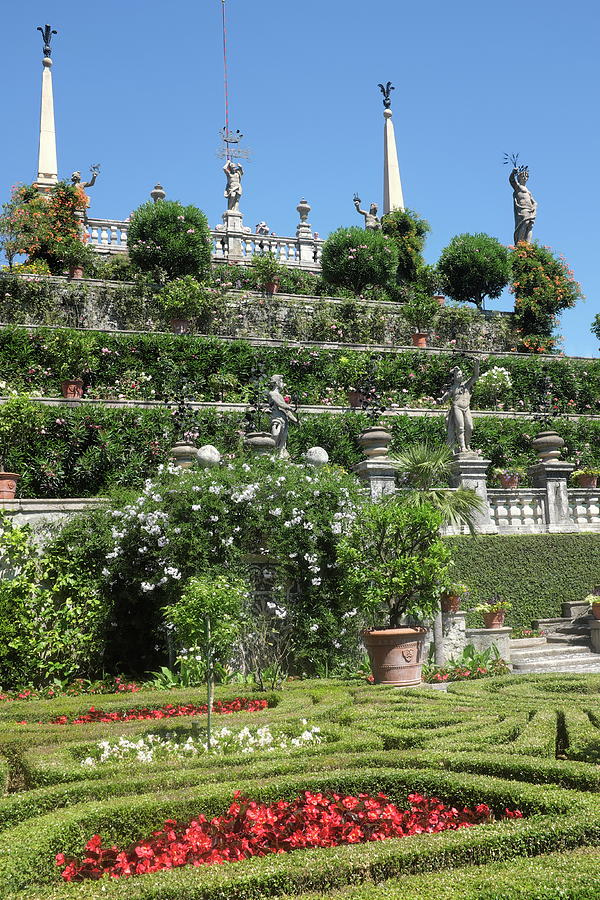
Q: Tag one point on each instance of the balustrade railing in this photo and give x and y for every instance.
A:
(584, 506)
(110, 236)
(518, 510)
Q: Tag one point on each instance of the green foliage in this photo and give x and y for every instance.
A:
(470, 664)
(535, 573)
(185, 298)
(543, 286)
(473, 267)
(421, 310)
(357, 258)
(266, 271)
(395, 560)
(169, 240)
(408, 231)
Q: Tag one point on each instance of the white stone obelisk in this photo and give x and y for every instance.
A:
(47, 162)
(392, 186)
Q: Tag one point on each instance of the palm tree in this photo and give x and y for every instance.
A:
(425, 470)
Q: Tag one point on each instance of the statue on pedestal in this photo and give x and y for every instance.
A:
(233, 191)
(372, 222)
(524, 205)
(281, 414)
(459, 419)
(76, 178)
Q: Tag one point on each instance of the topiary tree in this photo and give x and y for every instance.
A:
(543, 286)
(356, 258)
(408, 232)
(473, 267)
(168, 240)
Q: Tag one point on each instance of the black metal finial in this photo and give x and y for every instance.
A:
(47, 31)
(386, 90)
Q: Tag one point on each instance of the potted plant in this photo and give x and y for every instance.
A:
(393, 563)
(267, 272)
(8, 483)
(594, 600)
(450, 597)
(182, 300)
(420, 311)
(70, 388)
(509, 476)
(586, 477)
(493, 612)
(75, 256)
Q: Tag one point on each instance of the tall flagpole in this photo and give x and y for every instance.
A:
(225, 75)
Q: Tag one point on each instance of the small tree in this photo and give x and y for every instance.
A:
(169, 240)
(184, 298)
(408, 231)
(357, 258)
(395, 562)
(473, 267)
(208, 617)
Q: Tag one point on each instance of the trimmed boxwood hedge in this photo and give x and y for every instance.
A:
(535, 572)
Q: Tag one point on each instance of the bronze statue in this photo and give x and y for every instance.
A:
(372, 222)
(459, 419)
(47, 31)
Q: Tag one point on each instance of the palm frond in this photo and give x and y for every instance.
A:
(424, 466)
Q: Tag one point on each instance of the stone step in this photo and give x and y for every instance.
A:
(522, 643)
(570, 639)
(573, 666)
(549, 651)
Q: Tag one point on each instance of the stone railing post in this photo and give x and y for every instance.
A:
(470, 471)
(552, 475)
(454, 634)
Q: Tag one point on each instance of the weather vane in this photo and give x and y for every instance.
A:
(231, 139)
(47, 31)
(386, 91)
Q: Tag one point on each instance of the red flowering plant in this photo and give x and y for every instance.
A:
(114, 685)
(470, 665)
(168, 711)
(257, 829)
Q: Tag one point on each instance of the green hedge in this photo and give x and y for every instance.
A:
(535, 572)
(147, 366)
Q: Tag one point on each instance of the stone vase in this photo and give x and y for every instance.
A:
(509, 482)
(184, 454)
(419, 339)
(587, 481)
(72, 388)
(180, 326)
(494, 619)
(396, 655)
(260, 442)
(547, 445)
(8, 485)
(375, 441)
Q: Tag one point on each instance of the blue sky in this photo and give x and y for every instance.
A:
(139, 88)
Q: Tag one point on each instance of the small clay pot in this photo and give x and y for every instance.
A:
(419, 339)
(356, 399)
(272, 287)
(439, 299)
(8, 485)
(72, 388)
(450, 603)
(76, 272)
(587, 481)
(509, 482)
(494, 619)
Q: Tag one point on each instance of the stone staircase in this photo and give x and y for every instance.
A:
(566, 647)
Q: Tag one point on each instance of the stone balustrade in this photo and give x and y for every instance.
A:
(109, 236)
(584, 508)
(521, 511)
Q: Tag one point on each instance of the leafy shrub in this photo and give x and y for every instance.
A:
(169, 240)
(473, 267)
(185, 298)
(408, 231)
(357, 258)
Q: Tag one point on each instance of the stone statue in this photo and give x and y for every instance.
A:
(233, 191)
(281, 413)
(76, 178)
(525, 205)
(459, 419)
(372, 222)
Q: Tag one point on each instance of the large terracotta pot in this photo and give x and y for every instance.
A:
(509, 482)
(450, 603)
(8, 485)
(396, 655)
(375, 441)
(587, 481)
(595, 608)
(72, 388)
(419, 339)
(547, 445)
(494, 619)
(272, 287)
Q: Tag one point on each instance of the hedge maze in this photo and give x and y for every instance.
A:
(527, 743)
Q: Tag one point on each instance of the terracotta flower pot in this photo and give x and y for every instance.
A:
(450, 603)
(8, 485)
(396, 655)
(356, 399)
(76, 272)
(375, 441)
(494, 619)
(510, 482)
(587, 481)
(595, 609)
(72, 389)
(180, 326)
(419, 339)
(272, 287)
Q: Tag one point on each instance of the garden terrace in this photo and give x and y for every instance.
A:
(527, 743)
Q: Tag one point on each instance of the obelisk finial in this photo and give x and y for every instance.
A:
(47, 163)
(386, 91)
(392, 186)
(47, 31)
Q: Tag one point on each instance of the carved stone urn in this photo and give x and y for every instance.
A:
(260, 442)
(396, 655)
(184, 454)
(375, 441)
(547, 445)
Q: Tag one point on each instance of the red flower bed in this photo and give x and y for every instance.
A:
(257, 829)
(169, 711)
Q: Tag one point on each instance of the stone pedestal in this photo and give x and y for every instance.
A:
(469, 470)
(233, 225)
(454, 634)
(595, 635)
(379, 473)
(484, 638)
(552, 476)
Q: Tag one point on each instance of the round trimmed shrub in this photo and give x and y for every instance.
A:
(169, 240)
(357, 258)
(473, 267)
(408, 232)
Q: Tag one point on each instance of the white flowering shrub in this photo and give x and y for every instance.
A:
(493, 387)
(173, 745)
